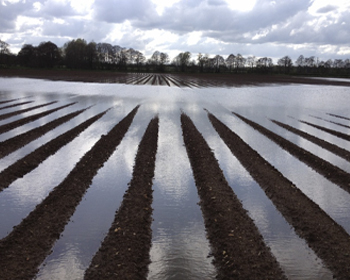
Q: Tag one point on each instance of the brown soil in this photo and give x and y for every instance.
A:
(187, 79)
(323, 167)
(345, 154)
(32, 160)
(12, 144)
(9, 115)
(26, 247)
(330, 131)
(124, 253)
(238, 247)
(329, 240)
(7, 127)
(15, 105)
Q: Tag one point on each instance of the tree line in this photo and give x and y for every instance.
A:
(78, 54)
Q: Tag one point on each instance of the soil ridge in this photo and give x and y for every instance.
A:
(124, 253)
(328, 239)
(237, 245)
(26, 247)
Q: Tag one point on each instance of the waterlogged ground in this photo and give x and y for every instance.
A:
(180, 248)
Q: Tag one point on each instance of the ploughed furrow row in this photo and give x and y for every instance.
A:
(345, 154)
(330, 131)
(7, 101)
(329, 240)
(25, 248)
(7, 127)
(323, 167)
(32, 160)
(336, 123)
(337, 116)
(124, 253)
(9, 115)
(238, 247)
(14, 143)
(15, 105)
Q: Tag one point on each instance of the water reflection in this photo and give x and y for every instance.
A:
(87, 229)
(179, 246)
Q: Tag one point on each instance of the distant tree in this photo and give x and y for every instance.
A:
(6, 58)
(158, 60)
(202, 61)
(264, 64)
(251, 61)
(240, 62)
(285, 63)
(231, 62)
(182, 60)
(217, 62)
(139, 59)
(79, 54)
(48, 54)
(27, 56)
(4, 48)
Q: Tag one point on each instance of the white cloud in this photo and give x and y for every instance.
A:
(258, 27)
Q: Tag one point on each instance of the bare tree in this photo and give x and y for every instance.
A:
(202, 61)
(230, 62)
(4, 48)
(217, 62)
(182, 60)
(251, 61)
(286, 63)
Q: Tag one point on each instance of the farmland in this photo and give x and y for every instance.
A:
(168, 177)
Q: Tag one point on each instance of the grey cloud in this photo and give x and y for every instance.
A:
(9, 13)
(326, 9)
(117, 11)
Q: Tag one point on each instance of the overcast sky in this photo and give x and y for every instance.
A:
(274, 29)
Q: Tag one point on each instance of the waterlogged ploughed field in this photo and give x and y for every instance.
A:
(113, 181)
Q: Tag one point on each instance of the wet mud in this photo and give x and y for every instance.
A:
(25, 248)
(7, 127)
(329, 240)
(237, 245)
(323, 167)
(179, 80)
(124, 253)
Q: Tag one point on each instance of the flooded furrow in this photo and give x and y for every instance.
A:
(297, 260)
(328, 170)
(8, 126)
(127, 245)
(82, 236)
(19, 112)
(14, 143)
(331, 131)
(16, 105)
(180, 248)
(21, 197)
(31, 161)
(238, 247)
(323, 235)
(345, 154)
(39, 122)
(24, 249)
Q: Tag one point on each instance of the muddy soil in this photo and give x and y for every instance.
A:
(345, 154)
(323, 167)
(237, 246)
(128, 243)
(181, 80)
(7, 127)
(25, 248)
(329, 240)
